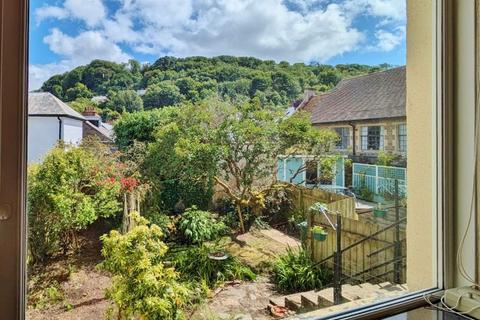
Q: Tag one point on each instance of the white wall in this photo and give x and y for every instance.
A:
(42, 136)
(72, 130)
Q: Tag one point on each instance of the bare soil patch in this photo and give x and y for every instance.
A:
(71, 287)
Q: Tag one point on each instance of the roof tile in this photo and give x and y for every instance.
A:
(373, 96)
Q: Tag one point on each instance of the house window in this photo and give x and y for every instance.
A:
(344, 138)
(372, 138)
(311, 172)
(402, 137)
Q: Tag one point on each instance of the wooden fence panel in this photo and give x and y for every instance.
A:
(356, 259)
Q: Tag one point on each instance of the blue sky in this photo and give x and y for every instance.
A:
(68, 33)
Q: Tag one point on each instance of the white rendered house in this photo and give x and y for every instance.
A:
(50, 120)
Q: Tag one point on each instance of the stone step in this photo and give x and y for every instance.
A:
(277, 301)
(309, 299)
(325, 296)
(350, 294)
(293, 301)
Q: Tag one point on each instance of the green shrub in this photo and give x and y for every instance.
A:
(67, 192)
(295, 271)
(197, 226)
(194, 263)
(142, 285)
(164, 222)
(385, 158)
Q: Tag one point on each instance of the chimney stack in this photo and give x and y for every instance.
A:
(89, 111)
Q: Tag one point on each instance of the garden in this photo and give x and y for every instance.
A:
(183, 219)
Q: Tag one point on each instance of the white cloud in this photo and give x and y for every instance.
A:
(387, 41)
(92, 12)
(390, 11)
(86, 46)
(46, 12)
(74, 51)
(265, 29)
(38, 73)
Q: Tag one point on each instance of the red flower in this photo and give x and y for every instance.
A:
(128, 183)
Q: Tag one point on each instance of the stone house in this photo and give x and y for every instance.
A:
(367, 112)
(94, 126)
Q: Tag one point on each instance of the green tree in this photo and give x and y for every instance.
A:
(54, 86)
(72, 78)
(236, 146)
(285, 83)
(142, 285)
(189, 88)
(78, 91)
(80, 104)
(67, 192)
(141, 126)
(260, 82)
(162, 94)
(124, 101)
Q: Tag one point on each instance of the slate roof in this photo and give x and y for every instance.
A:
(46, 104)
(373, 96)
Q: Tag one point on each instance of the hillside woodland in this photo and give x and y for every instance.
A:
(171, 81)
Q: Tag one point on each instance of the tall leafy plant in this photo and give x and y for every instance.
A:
(295, 271)
(198, 226)
(142, 285)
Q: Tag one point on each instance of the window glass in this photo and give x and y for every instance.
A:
(216, 159)
(372, 138)
(344, 138)
(402, 137)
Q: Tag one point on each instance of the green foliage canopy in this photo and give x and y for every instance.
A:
(67, 192)
(198, 226)
(234, 145)
(171, 80)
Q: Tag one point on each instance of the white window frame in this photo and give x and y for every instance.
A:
(364, 137)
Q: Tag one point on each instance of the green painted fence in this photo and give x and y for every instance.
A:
(380, 180)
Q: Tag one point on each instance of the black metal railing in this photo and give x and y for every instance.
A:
(398, 257)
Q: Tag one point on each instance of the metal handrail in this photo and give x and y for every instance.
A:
(383, 249)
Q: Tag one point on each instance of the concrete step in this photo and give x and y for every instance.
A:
(277, 301)
(294, 301)
(309, 299)
(325, 296)
(351, 294)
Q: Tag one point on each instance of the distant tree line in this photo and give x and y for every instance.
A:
(171, 81)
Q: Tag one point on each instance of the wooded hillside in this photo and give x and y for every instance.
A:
(171, 81)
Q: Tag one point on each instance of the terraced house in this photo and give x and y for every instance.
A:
(367, 112)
